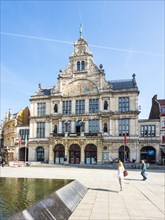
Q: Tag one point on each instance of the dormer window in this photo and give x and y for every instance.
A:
(80, 66)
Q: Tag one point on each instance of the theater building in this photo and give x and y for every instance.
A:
(83, 118)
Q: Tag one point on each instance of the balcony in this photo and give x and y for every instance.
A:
(58, 135)
(76, 134)
(91, 134)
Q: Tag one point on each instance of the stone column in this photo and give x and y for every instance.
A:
(101, 104)
(72, 126)
(86, 105)
(51, 154)
(86, 127)
(110, 127)
(99, 153)
(73, 106)
(66, 154)
(60, 126)
(51, 126)
(82, 155)
(60, 107)
(101, 130)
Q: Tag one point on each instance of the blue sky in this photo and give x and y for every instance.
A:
(37, 39)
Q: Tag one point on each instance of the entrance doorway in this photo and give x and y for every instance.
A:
(74, 154)
(59, 152)
(40, 154)
(124, 153)
(23, 154)
(148, 154)
(91, 154)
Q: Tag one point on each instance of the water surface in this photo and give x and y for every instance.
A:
(16, 194)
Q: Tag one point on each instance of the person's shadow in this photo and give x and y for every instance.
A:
(106, 190)
(132, 179)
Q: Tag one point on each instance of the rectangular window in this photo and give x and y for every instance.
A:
(123, 104)
(93, 105)
(40, 129)
(23, 133)
(94, 125)
(123, 126)
(148, 131)
(80, 106)
(153, 132)
(142, 131)
(66, 126)
(162, 110)
(66, 107)
(41, 109)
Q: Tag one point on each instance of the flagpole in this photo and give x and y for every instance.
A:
(19, 144)
(124, 154)
(25, 154)
(125, 141)
(25, 147)
(18, 150)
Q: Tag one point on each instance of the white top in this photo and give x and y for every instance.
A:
(120, 172)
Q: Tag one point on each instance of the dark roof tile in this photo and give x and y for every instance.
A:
(123, 84)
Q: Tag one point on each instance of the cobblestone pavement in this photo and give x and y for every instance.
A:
(138, 200)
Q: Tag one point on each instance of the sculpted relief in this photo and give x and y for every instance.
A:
(80, 87)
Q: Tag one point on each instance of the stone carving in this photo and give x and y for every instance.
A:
(80, 87)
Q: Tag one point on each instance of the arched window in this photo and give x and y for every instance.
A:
(105, 127)
(105, 105)
(55, 108)
(82, 65)
(78, 66)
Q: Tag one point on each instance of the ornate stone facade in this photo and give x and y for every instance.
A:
(15, 131)
(84, 117)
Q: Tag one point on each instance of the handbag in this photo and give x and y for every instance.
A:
(125, 173)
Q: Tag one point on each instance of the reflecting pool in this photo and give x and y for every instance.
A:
(16, 194)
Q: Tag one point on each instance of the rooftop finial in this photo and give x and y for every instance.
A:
(80, 31)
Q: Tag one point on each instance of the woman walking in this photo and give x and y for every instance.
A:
(120, 174)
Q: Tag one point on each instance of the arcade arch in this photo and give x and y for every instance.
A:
(91, 154)
(74, 154)
(124, 153)
(148, 153)
(59, 154)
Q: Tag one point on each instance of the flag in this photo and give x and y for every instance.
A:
(19, 139)
(26, 141)
(125, 139)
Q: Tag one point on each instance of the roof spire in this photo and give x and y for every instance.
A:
(80, 30)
